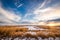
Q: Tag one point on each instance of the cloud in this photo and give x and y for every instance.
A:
(8, 16)
(44, 3)
(18, 3)
(47, 14)
(37, 11)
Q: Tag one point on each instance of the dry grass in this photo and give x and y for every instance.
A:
(11, 31)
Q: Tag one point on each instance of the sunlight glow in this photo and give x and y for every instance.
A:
(54, 24)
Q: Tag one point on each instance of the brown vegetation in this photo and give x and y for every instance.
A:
(20, 32)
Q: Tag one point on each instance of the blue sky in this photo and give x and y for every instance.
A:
(17, 11)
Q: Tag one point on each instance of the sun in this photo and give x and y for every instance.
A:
(51, 24)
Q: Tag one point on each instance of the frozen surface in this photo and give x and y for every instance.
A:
(34, 28)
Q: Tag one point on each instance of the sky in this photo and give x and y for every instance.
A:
(24, 11)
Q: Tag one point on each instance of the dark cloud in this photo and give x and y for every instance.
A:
(55, 20)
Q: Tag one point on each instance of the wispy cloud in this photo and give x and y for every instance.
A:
(45, 14)
(8, 16)
(44, 3)
(33, 14)
(48, 15)
(18, 3)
